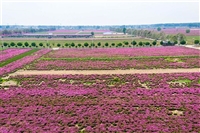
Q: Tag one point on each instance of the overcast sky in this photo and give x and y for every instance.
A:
(98, 13)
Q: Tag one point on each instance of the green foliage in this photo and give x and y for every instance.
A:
(119, 44)
(147, 43)
(124, 30)
(161, 42)
(99, 43)
(125, 42)
(58, 45)
(183, 42)
(72, 44)
(133, 43)
(196, 41)
(86, 44)
(66, 44)
(12, 44)
(154, 43)
(40, 44)
(187, 31)
(106, 44)
(158, 29)
(92, 33)
(79, 45)
(33, 44)
(1, 80)
(113, 44)
(5, 44)
(140, 44)
(26, 44)
(19, 44)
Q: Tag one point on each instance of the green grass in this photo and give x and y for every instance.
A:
(190, 39)
(17, 57)
(199, 81)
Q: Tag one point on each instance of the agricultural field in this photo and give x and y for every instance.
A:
(37, 96)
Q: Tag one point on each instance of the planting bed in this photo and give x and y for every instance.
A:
(112, 59)
(101, 103)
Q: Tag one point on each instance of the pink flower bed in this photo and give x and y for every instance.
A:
(9, 53)
(150, 51)
(56, 104)
(21, 62)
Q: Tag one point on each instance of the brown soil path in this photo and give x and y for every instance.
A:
(89, 72)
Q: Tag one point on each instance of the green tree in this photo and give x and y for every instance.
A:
(19, 44)
(196, 41)
(140, 44)
(119, 44)
(86, 44)
(106, 44)
(113, 44)
(124, 30)
(183, 42)
(40, 44)
(58, 45)
(125, 42)
(66, 44)
(134, 43)
(99, 44)
(26, 44)
(161, 42)
(33, 44)
(92, 33)
(187, 31)
(147, 43)
(158, 29)
(79, 45)
(154, 43)
(72, 44)
(5, 44)
(12, 44)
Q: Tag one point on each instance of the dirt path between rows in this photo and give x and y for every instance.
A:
(89, 72)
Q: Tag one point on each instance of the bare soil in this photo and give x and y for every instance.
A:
(100, 72)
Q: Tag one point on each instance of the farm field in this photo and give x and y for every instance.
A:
(150, 89)
(101, 103)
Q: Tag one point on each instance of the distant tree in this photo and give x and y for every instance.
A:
(66, 44)
(12, 44)
(158, 29)
(106, 44)
(196, 41)
(175, 42)
(147, 43)
(183, 42)
(26, 44)
(140, 43)
(5, 44)
(99, 44)
(134, 43)
(72, 44)
(58, 45)
(161, 42)
(169, 43)
(40, 44)
(187, 31)
(33, 44)
(125, 42)
(124, 30)
(92, 33)
(19, 44)
(119, 44)
(113, 44)
(79, 45)
(154, 43)
(86, 44)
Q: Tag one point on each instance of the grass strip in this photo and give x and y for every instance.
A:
(17, 57)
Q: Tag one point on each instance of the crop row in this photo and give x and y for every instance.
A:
(9, 53)
(148, 51)
(21, 62)
(115, 63)
(101, 103)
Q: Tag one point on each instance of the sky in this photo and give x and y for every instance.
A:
(110, 12)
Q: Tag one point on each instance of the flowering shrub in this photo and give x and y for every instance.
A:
(102, 103)
(9, 53)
